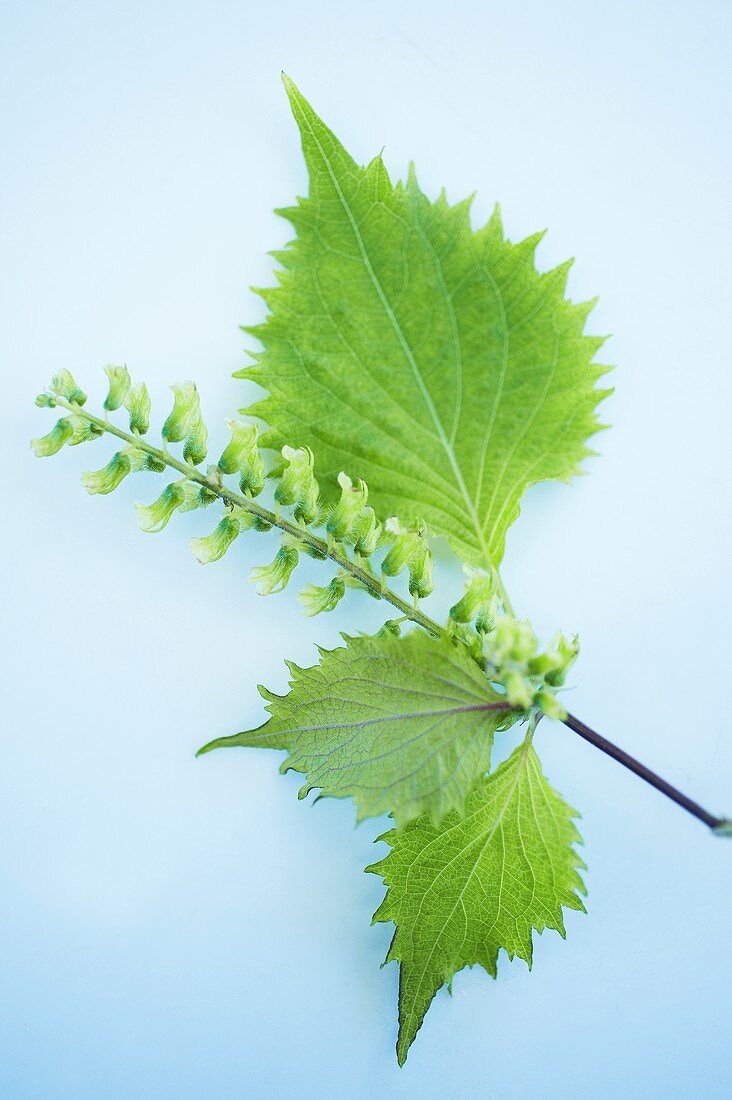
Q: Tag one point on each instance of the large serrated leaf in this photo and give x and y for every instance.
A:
(432, 360)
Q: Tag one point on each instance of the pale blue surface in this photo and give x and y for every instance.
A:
(181, 930)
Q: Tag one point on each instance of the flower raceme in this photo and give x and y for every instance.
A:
(349, 522)
(504, 647)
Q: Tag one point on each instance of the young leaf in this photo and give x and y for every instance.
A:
(460, 893)
(432, 360)
(401, 725)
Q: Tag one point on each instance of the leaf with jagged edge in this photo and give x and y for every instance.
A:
(432, 360)
(401, 725)
(461, 892)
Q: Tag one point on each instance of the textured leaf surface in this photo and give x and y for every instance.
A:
(431, 360)
(461, 892)
(401, 725)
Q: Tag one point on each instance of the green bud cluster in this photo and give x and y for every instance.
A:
(508, 648)
(510, 653)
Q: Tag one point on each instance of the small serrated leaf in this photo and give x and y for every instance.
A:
(461, 892)
(402, 725)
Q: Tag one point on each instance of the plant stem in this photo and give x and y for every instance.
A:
(328, 549)
(645, 773)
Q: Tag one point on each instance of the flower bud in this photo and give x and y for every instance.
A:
(261, 524)
(52, 443)
(368, 589)
(469, 638)
(241, 448)
(367, 533)
(343, 519)
(566, 651)
(478, 602)
(242, 456)
(45, 401)
(422, 573)
(307, 507)
(186, 412)
(109, 477)
(194, 450)
(83, 431)
(154, 517)
(519, 691)
(512, 640)
(119, 387)
(64, 384)
(194, 496)
(138, 406)
(214, 546)
(404, 545)
(274, 577)
(141, 460)
(549, 705)
(390, 627)
(314, 600)
(311, 551)
(298, 485)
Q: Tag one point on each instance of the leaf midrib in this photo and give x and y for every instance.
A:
(403, 342)
(445, 712)
(495, 826)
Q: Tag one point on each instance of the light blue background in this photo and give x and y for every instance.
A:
(180, 930)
